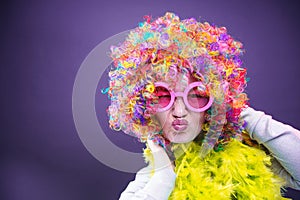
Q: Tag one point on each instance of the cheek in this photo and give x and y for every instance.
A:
(161, 118)
(198, 119)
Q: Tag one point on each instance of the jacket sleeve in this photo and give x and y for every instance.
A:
(147, 187)
(283, 141)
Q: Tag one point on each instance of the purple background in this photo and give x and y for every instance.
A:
(43, 44)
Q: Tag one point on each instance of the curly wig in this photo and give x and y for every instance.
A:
(158, 50)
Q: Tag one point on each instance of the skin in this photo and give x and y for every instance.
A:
(180, 111)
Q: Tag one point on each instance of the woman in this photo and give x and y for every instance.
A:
(178, 85)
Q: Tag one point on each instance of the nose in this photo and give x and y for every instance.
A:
(179, 109)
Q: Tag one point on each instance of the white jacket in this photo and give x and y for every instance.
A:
(283, 141)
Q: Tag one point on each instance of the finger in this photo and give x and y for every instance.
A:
(161, 159)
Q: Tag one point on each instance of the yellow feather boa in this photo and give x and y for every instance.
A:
(237, 172)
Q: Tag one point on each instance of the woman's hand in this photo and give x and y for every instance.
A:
(160, 156)
(162, 182)
(152, 187)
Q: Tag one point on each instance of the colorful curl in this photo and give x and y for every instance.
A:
(158, 50)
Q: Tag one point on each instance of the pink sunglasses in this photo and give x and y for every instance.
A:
(193, 97)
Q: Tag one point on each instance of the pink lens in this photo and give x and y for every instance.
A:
(164, 96)
(197, 98)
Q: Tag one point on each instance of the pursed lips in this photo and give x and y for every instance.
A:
(180, 124)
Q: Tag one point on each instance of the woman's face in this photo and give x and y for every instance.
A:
(179, 124)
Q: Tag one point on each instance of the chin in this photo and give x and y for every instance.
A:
(180, 137)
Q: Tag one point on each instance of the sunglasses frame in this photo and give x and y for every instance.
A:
(184, 95)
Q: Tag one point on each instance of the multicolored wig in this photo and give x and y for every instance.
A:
(158, 50)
